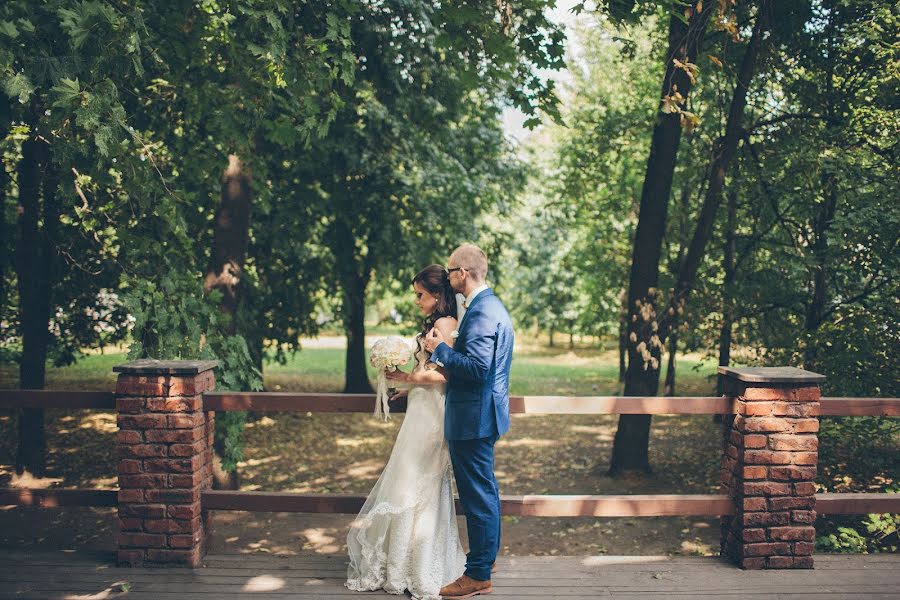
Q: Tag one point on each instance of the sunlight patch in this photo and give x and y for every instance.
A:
(599, 561)
(317, 539)
(695, 547)
(264, 583)
(109, 592)
(528, 443)
(104, 481)
(27, 480)
(355, 442)
(365, 469)
(104, 422)
(260, 545)
(590, 429)
(255, 462)
(263, 422)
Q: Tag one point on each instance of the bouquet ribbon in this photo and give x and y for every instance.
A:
(382, 409)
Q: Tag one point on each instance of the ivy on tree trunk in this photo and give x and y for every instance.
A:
(229, 249)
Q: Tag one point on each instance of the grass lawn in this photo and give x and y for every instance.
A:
(536, 371)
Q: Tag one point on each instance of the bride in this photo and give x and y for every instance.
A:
(405, 537)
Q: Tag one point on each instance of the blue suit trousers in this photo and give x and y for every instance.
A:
(473, 467)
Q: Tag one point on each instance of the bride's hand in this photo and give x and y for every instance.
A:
(397, 375)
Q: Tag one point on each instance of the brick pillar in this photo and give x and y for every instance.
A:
(769, 465)
(165, 461)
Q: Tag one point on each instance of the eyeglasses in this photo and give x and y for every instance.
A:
(455, 269)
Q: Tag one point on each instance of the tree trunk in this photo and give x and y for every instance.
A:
(727, 292)
(623, 345)
(642, 377)
(724, 153)
(644, 381)
(353, 273)
(823, 217)
(669, 385)
(5, 180)
(551, 335)
(231, 236)
(35, 255)
(356, 379)
(672, 341)
(815, 309)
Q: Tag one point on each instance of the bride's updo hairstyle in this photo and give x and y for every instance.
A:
(436, 281)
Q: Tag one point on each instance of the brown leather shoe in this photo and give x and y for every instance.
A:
(465, 587)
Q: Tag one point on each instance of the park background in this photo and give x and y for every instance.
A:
(660, 188)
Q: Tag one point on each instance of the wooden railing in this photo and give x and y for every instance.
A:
(166, 416)
(528, 505)
(363, 403)
(57, 399)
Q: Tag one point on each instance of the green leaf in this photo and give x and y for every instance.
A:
(19, 86)
(26, 25)
(8, 29)
(66, 90)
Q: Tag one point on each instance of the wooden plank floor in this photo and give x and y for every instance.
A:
(83, 576)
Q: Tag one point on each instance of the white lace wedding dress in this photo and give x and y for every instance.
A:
(405, 537)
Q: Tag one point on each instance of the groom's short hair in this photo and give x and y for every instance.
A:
(472, 259)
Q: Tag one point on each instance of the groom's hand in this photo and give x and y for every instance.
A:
(433, 339)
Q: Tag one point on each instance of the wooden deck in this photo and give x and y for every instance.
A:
(83, 576)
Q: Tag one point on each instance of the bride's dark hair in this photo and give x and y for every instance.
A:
(436, 281)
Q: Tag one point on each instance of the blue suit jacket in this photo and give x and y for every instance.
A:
(477, 403)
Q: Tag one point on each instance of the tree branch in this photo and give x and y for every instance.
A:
(787, 117)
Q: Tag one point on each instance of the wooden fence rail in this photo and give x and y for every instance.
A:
(626, 505)
(364, 403)
(165, 414)
(547, 506)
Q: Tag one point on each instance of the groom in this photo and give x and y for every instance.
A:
(477, 411)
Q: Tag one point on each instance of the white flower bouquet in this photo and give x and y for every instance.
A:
(388, 354)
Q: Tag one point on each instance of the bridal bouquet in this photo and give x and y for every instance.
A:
(388, 354)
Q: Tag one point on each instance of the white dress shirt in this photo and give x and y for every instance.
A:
(474, 293)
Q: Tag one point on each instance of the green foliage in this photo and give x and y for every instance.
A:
(342, 112)
(571, 251)
(136, 112)
(372, 136)
(815, 234)
(177, 320)
(549, 294)
(859, 454)
(63, 87)
(871, 534)
(846, 541)
(866, 444)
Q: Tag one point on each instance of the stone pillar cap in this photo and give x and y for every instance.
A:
(149, 366)
(771, 375)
